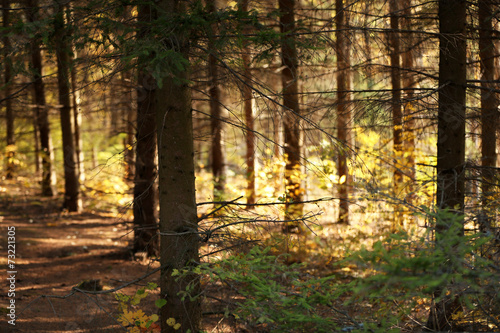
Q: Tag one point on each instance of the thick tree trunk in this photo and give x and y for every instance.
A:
(343, 114)
(178, 213)
(489, 110)
(42, 117)
(291, 119)
(451, 138)
(216, 113)
(249, 118)
(72, 200)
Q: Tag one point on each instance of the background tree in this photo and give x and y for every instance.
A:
(9, 113)
(72, 200)
(248, 110)
(291, 114)
(342, 48)
(145, 191)
(489, 108)
(215, 112)
(41, 111)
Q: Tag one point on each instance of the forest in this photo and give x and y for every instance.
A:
(250, 166)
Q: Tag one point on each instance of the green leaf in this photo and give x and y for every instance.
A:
(160, 303)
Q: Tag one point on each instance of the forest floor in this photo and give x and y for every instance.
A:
(54, 252)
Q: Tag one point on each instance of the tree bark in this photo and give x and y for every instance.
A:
(42, 116)
(77, 121)
(178, 213)
(451, 139)
(72, 200)
(9, 114)
(343, 114)
(249, 118)
(397, 114)
(291, 119)
(216, 113)
(7, 74)
(408, 118)
(131, 119)
(489, 110)
(145, 192)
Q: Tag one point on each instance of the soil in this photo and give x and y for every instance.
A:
(56, 251)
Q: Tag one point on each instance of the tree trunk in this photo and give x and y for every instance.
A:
(72, 200)
(489, 110)
(451, 138)
(343, 114)
(77, 121)
(145, 193)
(216, 113)
(178, 213)
(291, 121)
(397, 114)
(130, 117)
(7, 74)
(9, 114)
(42, 116)
(249, 119)
(408, 118)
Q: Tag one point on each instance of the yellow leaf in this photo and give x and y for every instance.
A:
(342, 179)
(171, 321)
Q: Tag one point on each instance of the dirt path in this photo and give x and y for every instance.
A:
(56, 251)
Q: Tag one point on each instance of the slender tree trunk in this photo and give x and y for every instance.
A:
(343, 114)
(249, 119)
(42, 116)
(397, 114)
(216, 113)
(291, 121)
(8, 74)
(72, 200)
(145, 192)
(77, 121)
(451, 139)
(9, 114)
(130, 115)
(178, 213)
(408, 118)
(489, 109)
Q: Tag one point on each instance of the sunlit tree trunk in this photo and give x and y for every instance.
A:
(409, 109)
(130, 116)
(291, 119)
(249, 119)
(42, 117)
(72, 200)
(77, 121)
(216, 114)
(145, 192)
(397, 114)
(178, 213)
(342, 47)
(489, 109)
(451, 140)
